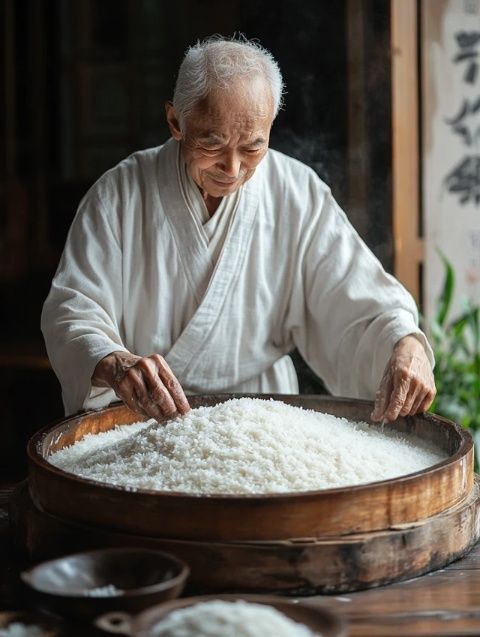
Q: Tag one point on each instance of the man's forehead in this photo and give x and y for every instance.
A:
(211, 138)
(214, 113)
(216, 124)
(212, 125)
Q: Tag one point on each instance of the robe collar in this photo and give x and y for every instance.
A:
(191, 248)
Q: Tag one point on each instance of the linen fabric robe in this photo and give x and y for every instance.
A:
(136, 275)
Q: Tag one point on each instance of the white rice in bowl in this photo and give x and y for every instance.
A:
(246, 446)
(218, 618)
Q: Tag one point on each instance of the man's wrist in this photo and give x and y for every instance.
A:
(106, 368)
(413, 341)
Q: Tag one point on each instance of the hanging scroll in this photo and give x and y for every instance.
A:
(451, 147)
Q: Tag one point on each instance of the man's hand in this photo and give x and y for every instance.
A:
(145, 384)
(407, 386)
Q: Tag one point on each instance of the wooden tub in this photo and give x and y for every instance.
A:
(317, 541)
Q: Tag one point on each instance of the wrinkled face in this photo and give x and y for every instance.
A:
(226, 136)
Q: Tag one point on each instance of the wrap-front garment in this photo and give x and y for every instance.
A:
(136, 274)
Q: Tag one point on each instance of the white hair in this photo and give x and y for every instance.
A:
(214, 63)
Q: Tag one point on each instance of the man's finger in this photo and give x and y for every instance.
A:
(381, 397)
(176, 392)
(133, 391)
(410, 400)
(156, 390)
(416, 407)
(428, 400)
(153, 410)
(131, 400)
(399, 395)
(172, 384)
(378, 408)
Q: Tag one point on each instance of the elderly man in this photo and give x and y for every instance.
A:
(197, 266)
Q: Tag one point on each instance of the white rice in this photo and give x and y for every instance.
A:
(109, 590)
(246, 446)
(229, 619)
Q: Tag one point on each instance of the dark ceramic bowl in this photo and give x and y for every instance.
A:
(86, 584)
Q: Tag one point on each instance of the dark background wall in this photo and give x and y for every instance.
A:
(84, 84)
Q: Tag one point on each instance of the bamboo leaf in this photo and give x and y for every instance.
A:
(456, 347)
(445, 299)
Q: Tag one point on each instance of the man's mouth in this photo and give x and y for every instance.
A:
(224, 182)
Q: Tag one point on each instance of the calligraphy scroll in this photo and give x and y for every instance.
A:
(451, 147)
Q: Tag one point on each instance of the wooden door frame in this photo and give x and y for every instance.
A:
(406, 177)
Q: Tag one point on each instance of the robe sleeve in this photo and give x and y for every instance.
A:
(351, 312)
(82, 313)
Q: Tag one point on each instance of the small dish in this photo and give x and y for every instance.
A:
(105, 580)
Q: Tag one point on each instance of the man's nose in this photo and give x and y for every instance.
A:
(230, 164)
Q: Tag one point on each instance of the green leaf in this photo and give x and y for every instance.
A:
(456, 346)
(445, 299)
(473, 321)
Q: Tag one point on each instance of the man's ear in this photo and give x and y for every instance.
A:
(172, 120)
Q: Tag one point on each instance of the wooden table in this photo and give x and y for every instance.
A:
(440, 604)
(445, 602)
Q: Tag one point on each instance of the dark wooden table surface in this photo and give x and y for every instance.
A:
(440, 604)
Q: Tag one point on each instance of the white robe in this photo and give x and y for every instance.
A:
(136, 274)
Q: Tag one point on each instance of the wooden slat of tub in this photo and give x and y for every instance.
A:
(303, 567)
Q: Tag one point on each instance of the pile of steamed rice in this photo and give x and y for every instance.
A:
(229, 619)
(246, 446)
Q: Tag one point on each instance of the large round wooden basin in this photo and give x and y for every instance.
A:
(309, 515)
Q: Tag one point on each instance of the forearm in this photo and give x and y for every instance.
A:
(74, 351)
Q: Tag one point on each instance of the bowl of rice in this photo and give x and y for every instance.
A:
(227, 616)
(104, 580)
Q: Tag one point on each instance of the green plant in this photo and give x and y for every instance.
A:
(456, 345)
